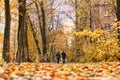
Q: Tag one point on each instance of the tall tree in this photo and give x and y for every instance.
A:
(43, 28)
(77, 50)
(22, 53)
(118, 17)
(42, 25)
(6, 44)
(118, 10)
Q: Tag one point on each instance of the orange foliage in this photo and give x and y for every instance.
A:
(51, 71)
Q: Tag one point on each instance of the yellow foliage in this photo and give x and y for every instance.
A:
(104, 45)
(87, 32)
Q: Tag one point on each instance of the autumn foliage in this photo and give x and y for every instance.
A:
(99, 45)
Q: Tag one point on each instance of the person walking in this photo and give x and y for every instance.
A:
(58, 57)
(63, 56)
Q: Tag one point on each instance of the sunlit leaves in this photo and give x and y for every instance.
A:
(83, 33)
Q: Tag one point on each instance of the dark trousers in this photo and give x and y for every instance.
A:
(58, 60)
(63, 60)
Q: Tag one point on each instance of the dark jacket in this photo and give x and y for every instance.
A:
(63, 54)
(58, 55)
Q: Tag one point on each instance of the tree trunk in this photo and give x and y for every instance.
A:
(78, 28)
(42, 25)
(22, 53)
(91, 16)
(118, 18)
(118, 10)
(44, 30)
(6, 43)
(76, 15)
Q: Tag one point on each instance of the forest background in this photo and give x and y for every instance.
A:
(34, 30)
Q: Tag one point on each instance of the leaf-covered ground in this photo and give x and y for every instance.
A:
(53, 71)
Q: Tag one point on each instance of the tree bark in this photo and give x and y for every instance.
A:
(78, 28)
(44, 29)
(76, 15)
(22, 53)
(42, 26)
(118, 18)
(6, 43)
(118, 10)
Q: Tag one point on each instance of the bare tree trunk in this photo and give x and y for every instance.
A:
(22, 53)
(6, 43)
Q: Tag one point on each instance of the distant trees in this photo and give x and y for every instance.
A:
(6, 43)
(40, 22)
(88, 15)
